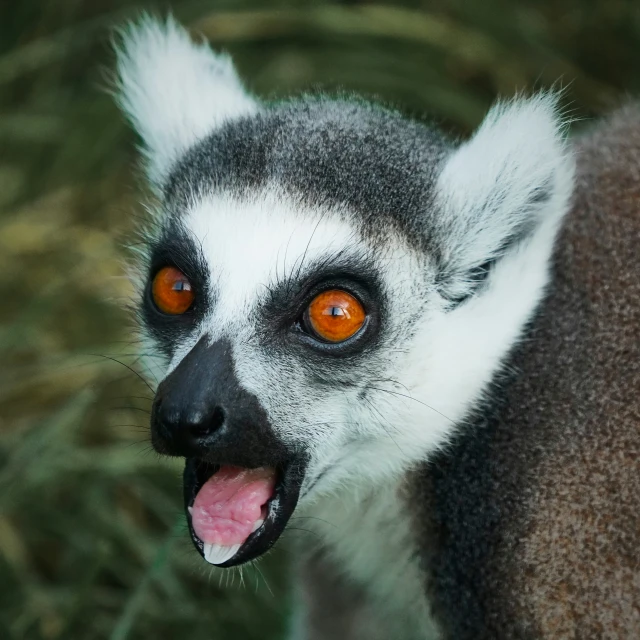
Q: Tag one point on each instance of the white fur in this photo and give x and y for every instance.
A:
(367, 533)
(487, 189)
(174, 91)
(248, 258)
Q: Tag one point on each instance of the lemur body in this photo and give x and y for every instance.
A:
(458, 451)
(528, 525)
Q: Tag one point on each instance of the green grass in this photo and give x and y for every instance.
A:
(92, 538)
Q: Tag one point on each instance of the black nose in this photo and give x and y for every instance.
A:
(183, 426)
(201, 410)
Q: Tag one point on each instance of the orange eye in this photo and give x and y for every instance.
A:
(335, 315)
(172, 291)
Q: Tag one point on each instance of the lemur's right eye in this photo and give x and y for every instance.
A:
(172, 292)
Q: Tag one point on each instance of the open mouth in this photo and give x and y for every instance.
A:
(237, 514)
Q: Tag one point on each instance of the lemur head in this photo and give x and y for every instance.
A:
(332, 286)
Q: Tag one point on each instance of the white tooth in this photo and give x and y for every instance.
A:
(219, 553)
(190, 510)
(257, 525)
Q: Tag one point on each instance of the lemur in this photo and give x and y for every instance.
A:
(427, 348)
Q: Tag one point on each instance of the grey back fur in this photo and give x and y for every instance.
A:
(530, 524)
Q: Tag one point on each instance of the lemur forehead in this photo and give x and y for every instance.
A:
(367, 160)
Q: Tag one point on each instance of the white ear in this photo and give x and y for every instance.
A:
(174, 91)
(514, 174)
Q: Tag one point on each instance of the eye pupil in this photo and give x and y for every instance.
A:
(335, 316)
(172, 292)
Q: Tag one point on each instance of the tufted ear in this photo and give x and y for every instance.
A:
(514, 175)
(174, 91)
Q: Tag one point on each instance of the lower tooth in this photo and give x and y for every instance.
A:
(219, 553)
(257, 525)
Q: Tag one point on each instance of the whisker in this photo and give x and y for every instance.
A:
(306, 250)
(331, 524)
(126, 366)
(313, 533)
(130, 409)
(381, 423)
(263, 578)
(392, 381)
(424, 404)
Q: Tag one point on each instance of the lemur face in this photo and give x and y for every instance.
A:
(294, 350)
(331, 285)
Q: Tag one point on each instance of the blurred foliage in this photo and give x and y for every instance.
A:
(92, 540)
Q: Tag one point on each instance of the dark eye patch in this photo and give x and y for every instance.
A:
(176, 247)
(279, 317)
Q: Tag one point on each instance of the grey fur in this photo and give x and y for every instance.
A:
(325, 151)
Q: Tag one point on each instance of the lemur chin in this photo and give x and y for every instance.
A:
(430, 349)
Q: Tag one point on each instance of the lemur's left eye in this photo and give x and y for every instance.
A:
(172, 291)
(334, 316)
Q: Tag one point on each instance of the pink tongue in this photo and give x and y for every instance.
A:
(230, 503)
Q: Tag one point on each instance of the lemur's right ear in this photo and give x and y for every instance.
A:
(174, 91)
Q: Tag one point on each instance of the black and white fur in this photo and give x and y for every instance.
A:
(452, 243)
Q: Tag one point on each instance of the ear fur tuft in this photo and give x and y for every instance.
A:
(173, 90)
(514, 174)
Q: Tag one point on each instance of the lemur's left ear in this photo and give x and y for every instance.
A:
(514, 175)
(175, 91)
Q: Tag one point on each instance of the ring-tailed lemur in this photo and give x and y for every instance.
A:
(349, 306)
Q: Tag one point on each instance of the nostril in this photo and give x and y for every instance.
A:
(205, 427)
(217, 418)
(200, 430)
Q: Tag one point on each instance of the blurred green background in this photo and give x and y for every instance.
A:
(92, 540)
